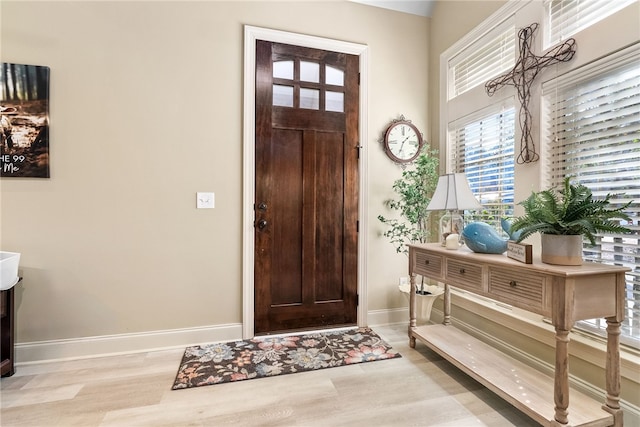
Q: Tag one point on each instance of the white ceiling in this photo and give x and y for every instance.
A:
(416, 7)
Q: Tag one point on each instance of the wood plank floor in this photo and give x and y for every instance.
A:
(419, 389)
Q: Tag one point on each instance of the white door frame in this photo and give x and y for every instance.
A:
(251, 34)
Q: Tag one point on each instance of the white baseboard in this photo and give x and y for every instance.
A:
(388, 317)
(107, 345)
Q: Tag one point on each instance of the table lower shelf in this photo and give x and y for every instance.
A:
(526, 388)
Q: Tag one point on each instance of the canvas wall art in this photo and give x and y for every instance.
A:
(24, 121)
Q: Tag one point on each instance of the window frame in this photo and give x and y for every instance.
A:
(532, 178)
(506, 110)
(571, 85)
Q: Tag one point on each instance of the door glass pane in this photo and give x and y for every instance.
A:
(309, 98)
(309, 71)
(283, 95)
(283, 69)
(334, 101)
(334, 76)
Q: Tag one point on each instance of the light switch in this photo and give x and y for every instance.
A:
(205, 200)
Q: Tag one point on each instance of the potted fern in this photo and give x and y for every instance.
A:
(563, 217)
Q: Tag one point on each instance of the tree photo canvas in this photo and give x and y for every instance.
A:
(24, 121)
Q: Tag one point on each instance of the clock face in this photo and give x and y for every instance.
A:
(403, 142)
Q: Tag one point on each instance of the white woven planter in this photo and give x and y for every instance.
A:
(424, 303)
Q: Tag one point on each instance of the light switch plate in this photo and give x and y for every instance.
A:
(205, 200)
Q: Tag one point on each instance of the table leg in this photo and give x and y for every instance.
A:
(612, 399)
(412, 307)
(561, 385)
(447, 306)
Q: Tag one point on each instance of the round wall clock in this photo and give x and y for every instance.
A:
(402, 141)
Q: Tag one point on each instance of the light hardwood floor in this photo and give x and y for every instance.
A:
(419, 389)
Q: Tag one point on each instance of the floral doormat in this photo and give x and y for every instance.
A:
(278, 355)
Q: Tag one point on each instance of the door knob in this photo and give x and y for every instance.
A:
(262, 224)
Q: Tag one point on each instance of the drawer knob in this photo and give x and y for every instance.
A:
(462, 271)
(426, 262)
(513, 283)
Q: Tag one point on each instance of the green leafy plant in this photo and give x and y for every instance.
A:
(572, 210)
(414, 189)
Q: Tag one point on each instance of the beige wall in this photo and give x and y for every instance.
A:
(146, 110)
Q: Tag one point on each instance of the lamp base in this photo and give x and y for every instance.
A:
(451, 224)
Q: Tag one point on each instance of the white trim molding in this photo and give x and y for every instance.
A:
(388, 317)
(251, 34)
(110, 345)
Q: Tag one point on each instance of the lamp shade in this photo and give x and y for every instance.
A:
(453, 193)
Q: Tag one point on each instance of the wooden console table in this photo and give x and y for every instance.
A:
(565, 294)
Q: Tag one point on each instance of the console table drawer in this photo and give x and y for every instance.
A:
(464, 274)
(429, 265)
(524, 290)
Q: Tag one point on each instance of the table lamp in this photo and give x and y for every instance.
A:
(452, 194)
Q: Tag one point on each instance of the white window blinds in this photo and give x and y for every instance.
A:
(483, 148)
(594, 134)
(567, 17)
(489, 57)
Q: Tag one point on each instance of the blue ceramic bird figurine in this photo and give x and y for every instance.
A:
(482, 238)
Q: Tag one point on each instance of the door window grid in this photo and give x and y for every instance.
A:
(309, 98)
(309, 72)
(283, 95)
(312, 91)
(283, 70)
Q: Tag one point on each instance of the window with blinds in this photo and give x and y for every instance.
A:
(594, 136)
(567, 17)
(489, 57)
(483, 148)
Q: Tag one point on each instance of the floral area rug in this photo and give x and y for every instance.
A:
(269, 356)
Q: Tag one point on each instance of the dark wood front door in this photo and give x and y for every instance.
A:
(306, 207)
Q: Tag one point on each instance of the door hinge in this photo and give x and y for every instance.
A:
(357, 226)
(357, 300)
(358, 79)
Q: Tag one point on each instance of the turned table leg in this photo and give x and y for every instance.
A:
(561, 385)
(412, 307)
(447, 305)
(612, 399)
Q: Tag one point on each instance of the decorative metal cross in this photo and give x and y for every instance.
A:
(521, 77)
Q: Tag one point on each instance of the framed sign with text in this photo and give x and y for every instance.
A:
(520, 251)
(24, 121)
